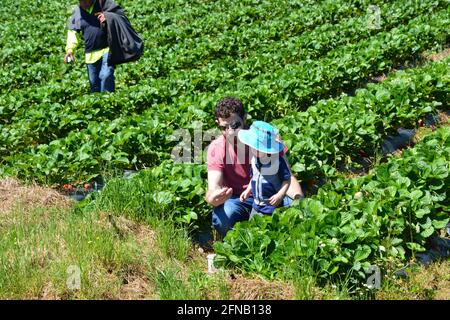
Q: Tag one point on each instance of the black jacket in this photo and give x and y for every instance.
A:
(95, 37)
(125, 45)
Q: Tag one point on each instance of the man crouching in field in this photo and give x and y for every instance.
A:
(229, 168)
(90, 21)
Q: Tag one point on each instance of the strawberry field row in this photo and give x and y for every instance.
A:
(326, 136)
(335, 133)
(259, 55)
(201, 78)
(379, 219)
(161, 58)
(274, 96)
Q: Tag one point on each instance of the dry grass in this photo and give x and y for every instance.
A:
(135, 287)
(13, 194)
(35, 205)
(242, 288)
(140, 232)
(49, 293)
(426, 283)
(136, 284)
(444, 117)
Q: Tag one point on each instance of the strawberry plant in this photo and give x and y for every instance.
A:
(381, 218)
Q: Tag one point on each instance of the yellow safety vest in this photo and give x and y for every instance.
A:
(73, 40)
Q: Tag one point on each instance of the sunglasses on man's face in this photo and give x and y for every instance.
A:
(234, 125)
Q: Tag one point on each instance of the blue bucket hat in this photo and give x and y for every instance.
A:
(261, 136)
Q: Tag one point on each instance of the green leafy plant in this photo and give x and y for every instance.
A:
(350, 224)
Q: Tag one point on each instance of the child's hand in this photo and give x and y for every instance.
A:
(276, 199)
(244, 195)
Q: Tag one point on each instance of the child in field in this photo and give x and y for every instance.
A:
(270, 174)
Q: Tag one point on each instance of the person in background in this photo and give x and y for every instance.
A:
(90, 21)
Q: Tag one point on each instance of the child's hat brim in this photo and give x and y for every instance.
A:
(250, 138)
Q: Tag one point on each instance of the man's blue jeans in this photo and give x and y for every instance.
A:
(101, 76)
(233, 210)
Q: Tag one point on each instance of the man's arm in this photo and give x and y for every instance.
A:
(217, 194)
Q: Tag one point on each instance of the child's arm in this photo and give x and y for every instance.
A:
(285, 175)
(276, 199)
(246, 193)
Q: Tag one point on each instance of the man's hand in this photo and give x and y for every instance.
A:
(101, 17)
(245, 194)
(221, 195)
(276, 199)
(69, 57)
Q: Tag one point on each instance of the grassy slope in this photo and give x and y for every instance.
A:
(43, 234)
(121, 260)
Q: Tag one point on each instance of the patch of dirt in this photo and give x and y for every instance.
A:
(136, 287)
(444, 117)
(13, 194)
(436, 56)
(124, 226)
(242, 288)
(48, 293)
(380, 78)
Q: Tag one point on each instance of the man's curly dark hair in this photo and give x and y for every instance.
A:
(229, 105)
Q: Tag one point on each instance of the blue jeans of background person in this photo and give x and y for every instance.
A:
(101, 76)
(233, 210)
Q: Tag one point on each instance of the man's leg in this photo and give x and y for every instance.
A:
(233, 210)
(287, 201)
(107, 75)
(94, 75)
